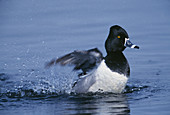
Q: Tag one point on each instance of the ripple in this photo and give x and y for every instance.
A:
(134, 88)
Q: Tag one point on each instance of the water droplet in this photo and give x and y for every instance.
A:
(19, 70)
(28, 50)
(18, 58)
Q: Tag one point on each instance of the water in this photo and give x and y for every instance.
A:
(35, 31)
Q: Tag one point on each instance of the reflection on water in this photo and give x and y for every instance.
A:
(70, 104)
(95, 104)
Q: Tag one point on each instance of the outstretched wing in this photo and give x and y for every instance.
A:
(81, 60)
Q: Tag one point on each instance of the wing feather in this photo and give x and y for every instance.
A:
(81, 60)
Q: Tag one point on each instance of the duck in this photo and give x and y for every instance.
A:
(99, 73)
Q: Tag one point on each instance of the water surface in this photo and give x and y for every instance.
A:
(35, 31)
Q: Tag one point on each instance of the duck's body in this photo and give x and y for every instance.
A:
(101, 74)
(101, 80)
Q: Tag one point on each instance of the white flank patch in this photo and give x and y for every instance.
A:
(102, 79)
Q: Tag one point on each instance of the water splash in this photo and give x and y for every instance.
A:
(32, 83)
(35, 83)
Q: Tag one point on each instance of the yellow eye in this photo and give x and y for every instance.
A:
(118, 36)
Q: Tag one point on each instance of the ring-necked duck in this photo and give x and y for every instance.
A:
(101, 74)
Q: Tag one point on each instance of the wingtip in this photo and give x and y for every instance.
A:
(49, 64)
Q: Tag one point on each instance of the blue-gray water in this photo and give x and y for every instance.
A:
(33, 32)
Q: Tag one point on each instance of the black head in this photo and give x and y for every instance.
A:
(118, 40)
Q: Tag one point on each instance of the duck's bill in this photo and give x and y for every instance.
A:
(128, 43)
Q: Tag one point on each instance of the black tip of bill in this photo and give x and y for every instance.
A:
(137, 47)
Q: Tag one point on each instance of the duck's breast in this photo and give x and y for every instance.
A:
(107, 80)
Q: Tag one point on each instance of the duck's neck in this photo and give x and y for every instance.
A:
(117, 62)
(115, 53)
